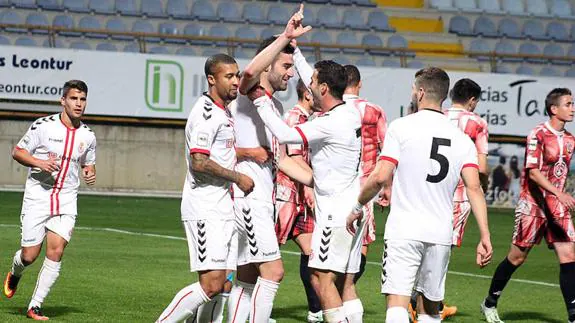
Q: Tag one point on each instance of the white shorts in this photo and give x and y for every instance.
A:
(212, 243)
(409, 263)
(257, 241)
(34, 227)
(335, 249)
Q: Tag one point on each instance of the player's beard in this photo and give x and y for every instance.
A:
(414, 103)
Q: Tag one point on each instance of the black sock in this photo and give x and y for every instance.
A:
(361, 269)
(567, 283)
(312, 299)
(413, 299)
(500, 278)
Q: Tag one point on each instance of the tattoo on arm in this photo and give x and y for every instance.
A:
(203, 164)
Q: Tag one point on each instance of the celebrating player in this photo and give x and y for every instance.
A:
(207, 205)
(57, 149)
(543, 208)
(427, 164)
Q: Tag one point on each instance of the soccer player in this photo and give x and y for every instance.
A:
(426, 155)
(543, 208)
(207, 206)
(295, 202)
(58, 149)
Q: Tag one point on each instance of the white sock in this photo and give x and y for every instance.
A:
(239, 302)
(396, 314)
(334, 315)
(263, 300)
(17, 264)
(353, 310)
(184, 304)
(213, 311)
(46, 278)
(425, 318)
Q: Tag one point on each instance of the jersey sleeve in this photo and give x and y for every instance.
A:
(318, 129)
(304, 70)
(90, 157)
(470, 156)
(31, 139)
(292, 119)
(534, 151)
(391, 147)
(202, 135)
(284, 133)
(482, 139)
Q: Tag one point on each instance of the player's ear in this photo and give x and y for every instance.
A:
(211, 80)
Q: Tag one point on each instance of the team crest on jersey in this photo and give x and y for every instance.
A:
(52, 155)
(82, 147)
(559, 169)
(569, 147)
(229, 143)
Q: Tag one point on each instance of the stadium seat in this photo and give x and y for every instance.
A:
(212, 51)
(241, 54)
(4, 40)
(26, 4)
(485, 27)
(58, 43)
(561, 9)
(118, 25)
(397, 41)
(531, 49)
(339, 2)
(533, 29)
(253, 13)
(194, 29)
(525, 70)
(558, 32)
(466, 5)
(178, 9)
(127, 7)
(555, 50)
(229, 12)
(12, 17)
(308, 16)
(461, 26)
(53, 5)
(364, 3)
(38, 19)
(247, 32)
(329, 17)
(538, 8)
(502, 69)
(220, 31)
(108, 47)
(445, 5)
(278, 14)
(162, 50)
(91, 22)
(271, 31)
(203, 10)
(480, 46)
(324, 38)
(509, 28)
(80, 45)
(342, 60)
(76, 5)
(571, 51)
(65, 21)
(153, 9)
(378, 21)
(506, 47)
(185, 51)
(170, 28)
(490, 6)
(391, 63)
(570, 72)
(144, 26)
(132, 48)
(25, 41)
(373, 40)
(102, 6)
(348, 38)
(320, 1)
(514, 7)
(415, 64)
(549, 71)
(352, 18)
(365, 61)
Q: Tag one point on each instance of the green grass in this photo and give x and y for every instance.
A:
(115, 277)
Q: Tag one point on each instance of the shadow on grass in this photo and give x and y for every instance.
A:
(50, 311)
(529, 316)
(298, 313)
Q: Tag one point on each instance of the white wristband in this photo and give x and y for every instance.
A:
(357, 208)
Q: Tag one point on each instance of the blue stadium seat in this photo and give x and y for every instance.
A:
(549, 71)
(80, 45)
(571, 51)
(415, 64)
(531, 49)
(328, 17)
(211, 51)
(318, 1)
(538, 8)
(364, 3)
(144, 26)
(391, 63)
(5, 3)
(76, 5)
(352, 18)
(178, 9)
(49, 5)
(194, 29)
(270, 31)
(558, 32)
(117, 24)
(506, 47)
(12, 17)
(480, 46)
(91, 22)
(185, 51)
(378, 20)
(4, 40)
(445, 5)
(397, 41)
(239, 53)
(461, 26)
(561, 9)
(253, 13)
(308, 16)
(373, 40)
(247, 32)
(203, 10)
(65, 21)
(514, 7)
(278, 14)
(132, 48)
(301, 40)
(38, 19)
(127, 8)
(220, 31)
(485, 27)
(58, 43)
(161, 50)
(502, 69)
(365, 61)
(324, 38)
(490, 6)
(26, 4)
(153, 9)
(342, 60)
(338, 2)
(509, 28)
(570, 72)
(533, 29)
(102, 6)
(466, 5)
(108, 47)
(555, 50)
(348, 38)
(229, 12)
(25, 41)
(525, 70)
(170, 28)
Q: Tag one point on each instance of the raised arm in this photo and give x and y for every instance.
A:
(304, 70)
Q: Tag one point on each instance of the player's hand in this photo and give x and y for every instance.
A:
(567, 200)
(351, 221)
(261, 155)
(89, 175)
(484, 252)
(49, 165)
(245, 183)
(384, 197)
(308, 197)
(293, 43)
(256, 92)
(294, 26)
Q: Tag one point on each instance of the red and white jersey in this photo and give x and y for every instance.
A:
(288, 190)
(210, 131)
(550, 151)
(251, 133)
(429, 153)
(476, 128)
(56, 193)
(373, 128)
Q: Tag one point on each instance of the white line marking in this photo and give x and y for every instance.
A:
(154, 235)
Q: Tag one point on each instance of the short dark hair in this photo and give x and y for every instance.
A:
(353, 75)
(300, 89)
(215, 60)
(464, 90)
(434, 81)
(289, 49)
(74, 84)
(553, 98)
(332, 74)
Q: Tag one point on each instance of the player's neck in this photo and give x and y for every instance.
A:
(351, 91)
(266, 85)
(329, 102)
(216, 98)
(69, 122)
(557, 124)
(459, 106)
(305, 107)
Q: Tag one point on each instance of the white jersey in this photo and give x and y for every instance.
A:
(209, 130)
(251, 133)
(429, 152)
(56, 193)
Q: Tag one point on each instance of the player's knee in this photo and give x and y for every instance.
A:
(55, 253)
(213, 285)
(276, 274)
(517, 259)
(28, 256)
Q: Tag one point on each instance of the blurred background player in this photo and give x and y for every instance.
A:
(57, 149)
(543, 208)
(207, 205)
(295, 202)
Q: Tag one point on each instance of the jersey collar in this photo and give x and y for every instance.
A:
(433, 110)
(302, 110)
(350, 97)
(214, 101)
(62, 122)
(553, 130)
(335, 106)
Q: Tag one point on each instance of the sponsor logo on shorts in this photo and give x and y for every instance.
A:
(29, 240)
(324, 246)
(218, 260)
(202, 249)
(267, 254)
